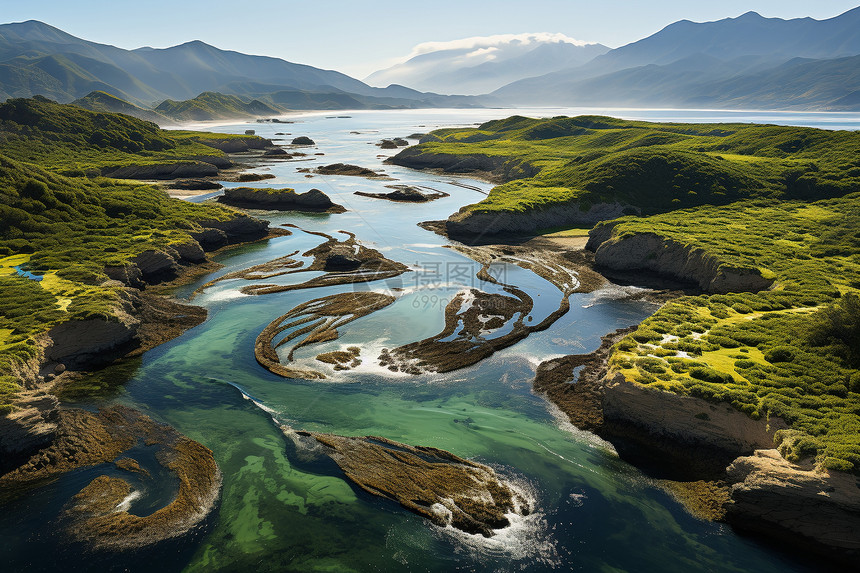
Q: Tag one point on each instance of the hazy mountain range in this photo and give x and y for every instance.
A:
(749, 61)
(36, 58)
(745, 62)
(483, 64)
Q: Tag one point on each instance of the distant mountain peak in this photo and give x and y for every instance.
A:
(751, 15)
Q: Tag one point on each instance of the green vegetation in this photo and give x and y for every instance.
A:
(653, 167)
(780, 199)
(792, 352)
(104, 102)
(76, 142)
(212, 105)
(63, 231)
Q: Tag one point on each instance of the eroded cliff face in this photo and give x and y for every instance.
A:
(651, 252)
(491, 223)
(498, 168)
(813, 509)
(819, 509)
(685, 419)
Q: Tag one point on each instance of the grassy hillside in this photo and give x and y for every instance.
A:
(74, 141)
(791, 352)
(100, 101)
(654, 167)
(58, 233)
(211, 105)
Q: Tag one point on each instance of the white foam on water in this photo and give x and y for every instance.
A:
(223, 295)
(613, 292)
(583, 436)
(125, 504)
(526, 537)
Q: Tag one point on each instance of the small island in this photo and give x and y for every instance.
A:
(313, 201)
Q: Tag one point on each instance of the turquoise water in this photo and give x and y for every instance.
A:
(277, 513)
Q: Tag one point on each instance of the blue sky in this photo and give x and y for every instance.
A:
(361, 36)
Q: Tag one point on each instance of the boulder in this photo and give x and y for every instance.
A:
(196, 185)
(303, 140)
(280, 199)
(341, 263)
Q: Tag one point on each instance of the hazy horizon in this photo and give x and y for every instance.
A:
(361, 39)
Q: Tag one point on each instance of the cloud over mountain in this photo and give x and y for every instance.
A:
(483, 63)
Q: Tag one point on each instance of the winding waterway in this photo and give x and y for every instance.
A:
(593, 512)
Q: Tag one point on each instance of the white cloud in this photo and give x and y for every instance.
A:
(490, 41)
(485, 53)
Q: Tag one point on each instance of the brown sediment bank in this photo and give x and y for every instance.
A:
(316, 321)
(406, 194)
(472, 317)
(435, 484)
(344, 262)
(96, 515)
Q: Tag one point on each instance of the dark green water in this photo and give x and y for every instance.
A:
(593, 511)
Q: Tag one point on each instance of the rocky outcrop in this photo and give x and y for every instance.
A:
(444, 488)
(81, 341)
(238, 144)
(303, 140)
(347, 169)
(241, 228)
(495, 167)
(688, 439)
(196, 185)
(162, 171)
(29, 428)
(313, 200)
(686, 420)
(651, 252)
(219, 161)
(405, 194)
(812, 509)
(99, 514)
(89, 341)
(469, 222)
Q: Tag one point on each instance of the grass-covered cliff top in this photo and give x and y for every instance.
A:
(791, 352)
(655, 167)
(58, 233)
(74, 141)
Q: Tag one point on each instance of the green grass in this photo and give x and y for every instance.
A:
(67, 229)
(77, 142)
(791, 352)
(212, 105)
(652, 167)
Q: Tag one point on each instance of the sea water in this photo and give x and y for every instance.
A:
(592, 511)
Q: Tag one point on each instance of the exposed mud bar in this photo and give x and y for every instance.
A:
(407, 194)
(344, 262)
(316, 321)
(99, 514)
(435, 484)
(477, 324)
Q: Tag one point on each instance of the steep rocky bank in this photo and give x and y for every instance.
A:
(650, 252)
(468, 222)
(687, 440)
(138, 322)
(494, 168)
